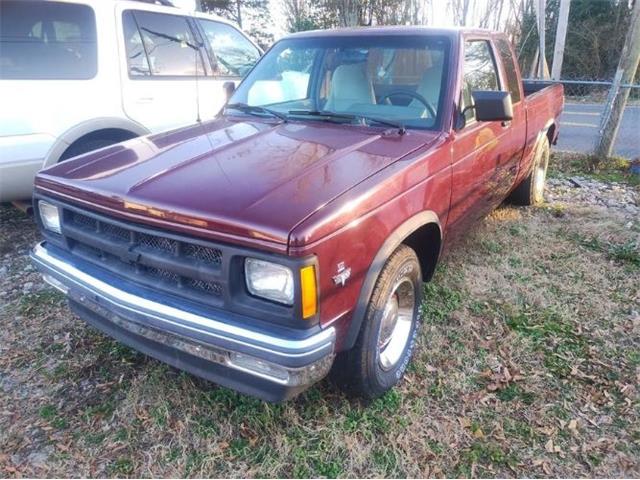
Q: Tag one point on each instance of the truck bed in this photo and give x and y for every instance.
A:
(545, 100)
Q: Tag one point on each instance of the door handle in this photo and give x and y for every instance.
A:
(144, 100)
(506, 123)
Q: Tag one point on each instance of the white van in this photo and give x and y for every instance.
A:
(77, 75)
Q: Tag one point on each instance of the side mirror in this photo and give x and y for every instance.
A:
(492, 106)
(229, 88)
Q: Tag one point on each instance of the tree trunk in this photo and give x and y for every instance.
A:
(617, 100)
(561, 35)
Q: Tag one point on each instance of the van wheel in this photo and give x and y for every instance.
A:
(531, 190)
(84, 147)
(94, 141)
(387, 337)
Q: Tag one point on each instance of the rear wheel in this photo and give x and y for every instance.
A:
(84, 147)
(531, 190)
(95, 141)
(387, 337)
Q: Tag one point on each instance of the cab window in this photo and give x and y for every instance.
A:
(480, 73)
(510, 69)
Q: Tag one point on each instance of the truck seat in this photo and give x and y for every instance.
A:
(429, 87)
(350, 84)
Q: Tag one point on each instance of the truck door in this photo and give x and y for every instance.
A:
(481, 150)
(159, 87)
(518, 126)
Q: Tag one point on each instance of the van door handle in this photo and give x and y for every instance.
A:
(144, 100)
(506, 123)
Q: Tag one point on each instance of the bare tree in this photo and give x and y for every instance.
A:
(627, 68)
(460, 11)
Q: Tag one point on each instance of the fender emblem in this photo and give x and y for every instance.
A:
(343, 274)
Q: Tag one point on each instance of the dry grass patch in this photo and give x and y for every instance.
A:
(528, 365)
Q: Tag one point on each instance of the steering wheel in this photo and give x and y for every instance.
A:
(415, 95)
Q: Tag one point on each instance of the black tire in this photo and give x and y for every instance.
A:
(360, 371)
(530, 192)
(79, 148)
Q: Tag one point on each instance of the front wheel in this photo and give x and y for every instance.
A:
(387, 337)
(531, 190)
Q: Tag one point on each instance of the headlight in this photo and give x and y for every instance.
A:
(269, 280)
(50, 216)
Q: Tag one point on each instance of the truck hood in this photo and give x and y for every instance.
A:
(230, 179)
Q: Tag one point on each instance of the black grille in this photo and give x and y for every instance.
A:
(158, 243)
(113, 231)
(203, 253)
(179, 266)
(85, 222)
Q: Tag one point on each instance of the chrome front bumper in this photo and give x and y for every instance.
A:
(273, 365)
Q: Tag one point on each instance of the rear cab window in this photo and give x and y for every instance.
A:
(234, 55)
(479, 73)
(160, 45)
(513, 82)
(47, 40)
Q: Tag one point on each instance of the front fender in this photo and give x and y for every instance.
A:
(392, 242)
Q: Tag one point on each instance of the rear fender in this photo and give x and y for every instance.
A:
(84, 128)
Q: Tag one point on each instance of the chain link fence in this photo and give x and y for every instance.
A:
(587, 105)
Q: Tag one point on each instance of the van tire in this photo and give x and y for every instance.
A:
(95, 141)
(531, 190)
(362, 371)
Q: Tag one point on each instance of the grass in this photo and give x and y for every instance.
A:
(527, 365)
(615, 169)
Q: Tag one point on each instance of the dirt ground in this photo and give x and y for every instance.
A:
(528, 365)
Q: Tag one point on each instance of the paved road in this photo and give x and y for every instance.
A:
(579, 129)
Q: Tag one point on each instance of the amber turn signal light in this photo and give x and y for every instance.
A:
(309, 291)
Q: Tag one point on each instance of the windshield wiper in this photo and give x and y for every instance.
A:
(253, 109)
(365, 119)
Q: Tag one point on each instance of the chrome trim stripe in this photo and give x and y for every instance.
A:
(169, 314)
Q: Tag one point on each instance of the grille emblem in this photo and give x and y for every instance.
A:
(343, 274)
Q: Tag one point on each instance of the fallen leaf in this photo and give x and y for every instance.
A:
(464, 422)
(549, 446)
(573, 426)
(547, 430)
(478, 433)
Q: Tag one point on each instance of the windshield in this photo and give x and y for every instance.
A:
(393, 78)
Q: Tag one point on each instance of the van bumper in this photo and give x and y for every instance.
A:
(273, 365)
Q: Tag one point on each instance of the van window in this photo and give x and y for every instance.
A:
(480, 72)
(47, 40)
(168, 44)
(137, 62)
(235, 54)
(510, 69)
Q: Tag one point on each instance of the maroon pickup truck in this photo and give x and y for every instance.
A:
(290, 236)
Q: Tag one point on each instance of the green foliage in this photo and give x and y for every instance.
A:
(595, 36)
